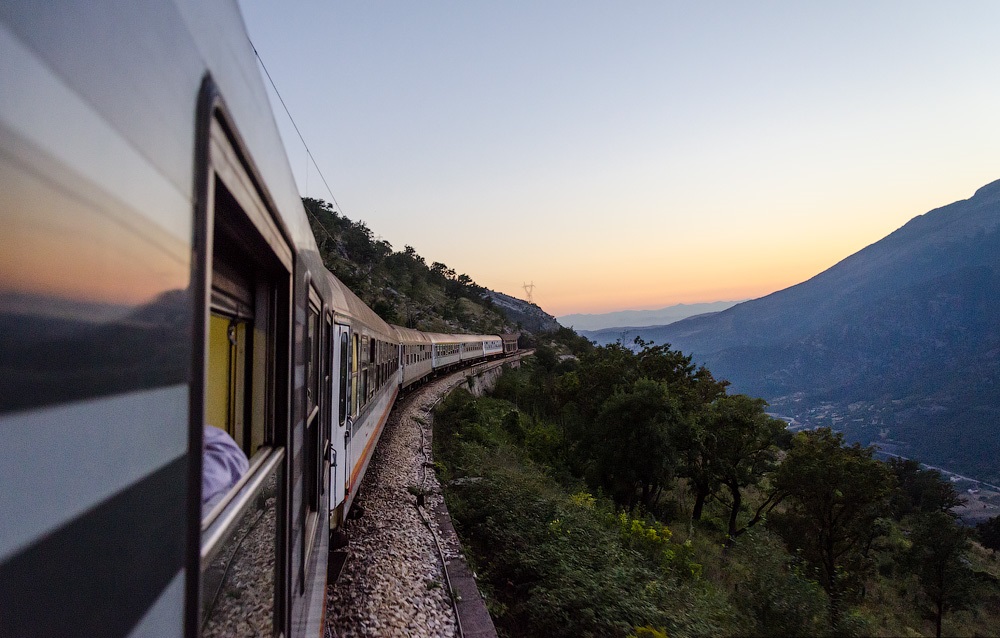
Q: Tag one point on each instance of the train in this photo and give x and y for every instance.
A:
(159, 279)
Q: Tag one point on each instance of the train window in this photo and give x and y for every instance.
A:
(355, 374)
(363, 391)
(345, 350)
(311, 356)
(373, 367)
(245, 264)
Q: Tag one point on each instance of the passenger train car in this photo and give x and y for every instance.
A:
(159, 278)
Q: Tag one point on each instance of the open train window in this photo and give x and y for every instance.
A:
(239, 403)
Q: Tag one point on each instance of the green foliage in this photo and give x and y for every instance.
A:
(555, 560)
(635, 458)
(939, 560)
(771, 590)
(919, 490)
(736, 444)
(834, 496)
(988, 533)
(654, 540)
(567, 496)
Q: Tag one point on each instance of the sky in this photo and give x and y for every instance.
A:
(635, 155)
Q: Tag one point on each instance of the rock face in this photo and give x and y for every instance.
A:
(528, 315)
(898, 343)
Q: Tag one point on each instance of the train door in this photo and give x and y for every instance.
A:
(340, 430)
(329, 403)
(312, 471)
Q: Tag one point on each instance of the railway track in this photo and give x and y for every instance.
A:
(396, 580)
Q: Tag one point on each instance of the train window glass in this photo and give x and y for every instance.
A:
(238, 583)
(363, 390)
(345, 372)
(355, 375)
(217, 381)
(373, 358)
(311, 354)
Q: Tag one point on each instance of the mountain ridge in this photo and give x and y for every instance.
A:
(591, 322)
(906, 330)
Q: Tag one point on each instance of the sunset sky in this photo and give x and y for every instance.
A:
(627, 155)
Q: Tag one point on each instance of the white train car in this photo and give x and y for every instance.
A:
(366, 356)
(446, 350)
(492, 346)
(158, 277)
(417, 355)
(161, 290)
(473, 349)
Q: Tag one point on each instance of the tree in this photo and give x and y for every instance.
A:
(920, 490)
(740, 451)
(989, 533)
(938, 558)
(636, 459)
(834, 495)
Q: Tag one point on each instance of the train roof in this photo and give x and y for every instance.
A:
(438, 337)
(409, 336)
(348, 305)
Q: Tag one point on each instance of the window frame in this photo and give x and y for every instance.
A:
(222, 163)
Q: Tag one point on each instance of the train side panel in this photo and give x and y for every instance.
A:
(416, 361)
(492, 346)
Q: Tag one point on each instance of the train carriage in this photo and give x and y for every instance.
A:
(416, 349)
(509, 343)
(159, 277)
(492, 346)
(446, 351)
(366, 353)
(163, 305)
(473, 349)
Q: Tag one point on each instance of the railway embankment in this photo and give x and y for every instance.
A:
(405, 574)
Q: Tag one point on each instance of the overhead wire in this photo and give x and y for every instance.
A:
(302, 139)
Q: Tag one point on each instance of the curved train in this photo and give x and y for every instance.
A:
(159, 274)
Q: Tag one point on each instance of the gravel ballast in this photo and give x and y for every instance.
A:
(393, 583)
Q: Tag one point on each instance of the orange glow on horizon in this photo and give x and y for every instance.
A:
(56, 245)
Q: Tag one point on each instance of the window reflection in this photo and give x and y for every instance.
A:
(238, 585)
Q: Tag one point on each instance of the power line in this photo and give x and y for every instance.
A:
(296, 127)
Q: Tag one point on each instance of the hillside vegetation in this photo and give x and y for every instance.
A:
(606, 491)
(399, 285)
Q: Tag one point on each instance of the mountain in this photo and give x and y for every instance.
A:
(898, 344)
(584, 323)
(527, 316)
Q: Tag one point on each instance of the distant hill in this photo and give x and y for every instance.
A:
(898, 344)
(639, 318)
(626, 334)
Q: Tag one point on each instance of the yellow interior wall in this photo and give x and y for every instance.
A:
(217, 382)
